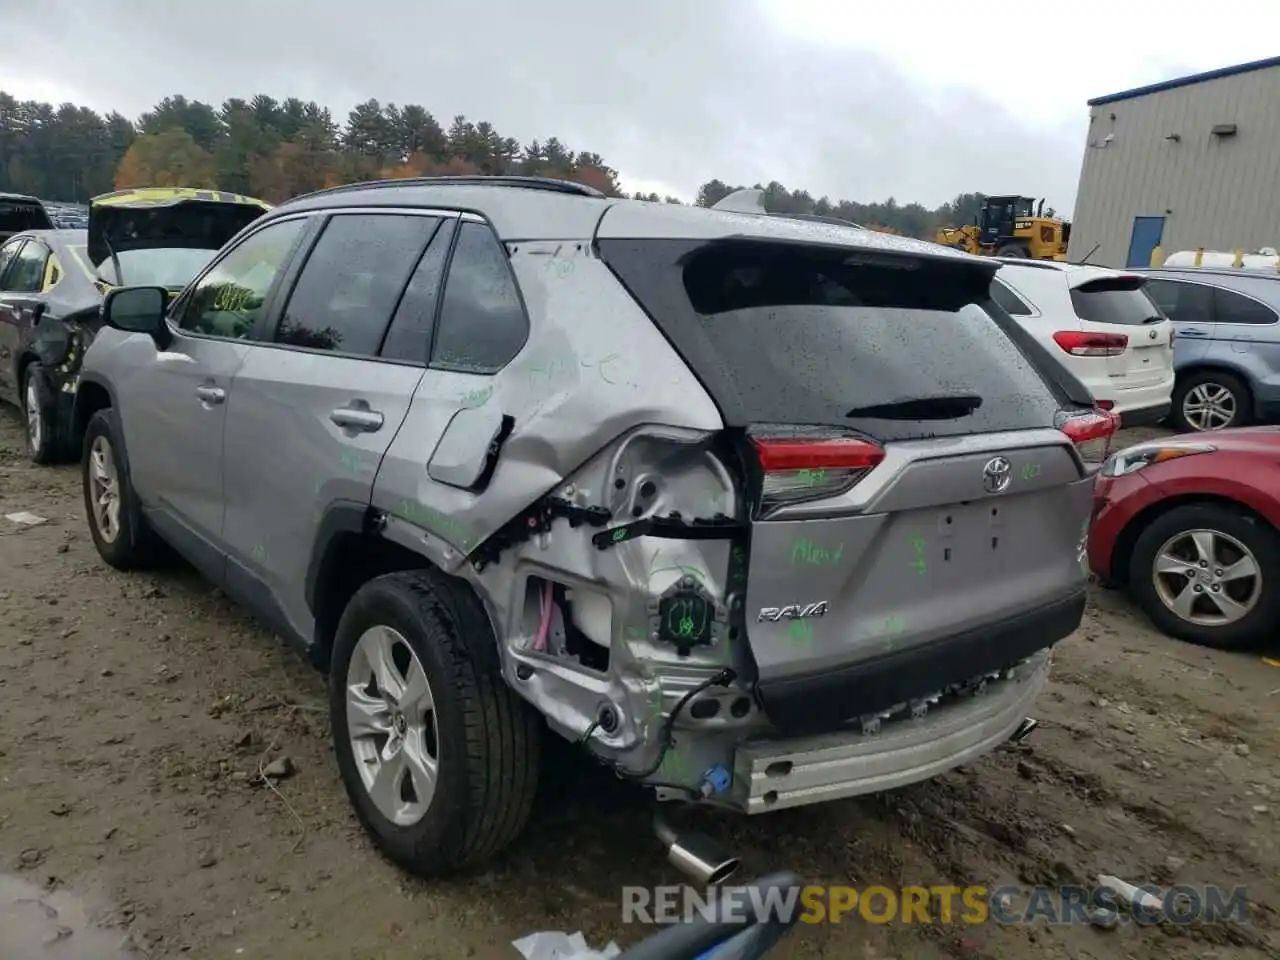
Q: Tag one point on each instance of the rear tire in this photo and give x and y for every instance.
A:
(1210, 390)
(1232, 529)
(40, 412)
(120, 532)
(469, 746)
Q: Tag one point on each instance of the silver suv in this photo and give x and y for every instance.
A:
(761, 512)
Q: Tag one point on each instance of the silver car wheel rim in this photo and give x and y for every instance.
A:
(1207, 577)
(391, 725)
(1209, 406)
(34, 434)
(104, 489)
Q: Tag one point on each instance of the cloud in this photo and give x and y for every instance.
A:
(671, 93)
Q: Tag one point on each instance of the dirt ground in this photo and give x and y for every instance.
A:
(135, 711)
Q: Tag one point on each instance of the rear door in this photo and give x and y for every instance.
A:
(1190, 306)
(1118, 307)
(8, 324)
(909, 480)
(20, 300)
(315, 405)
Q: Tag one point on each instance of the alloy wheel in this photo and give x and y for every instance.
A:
(104, 489)
(35, 433)
(1207, 577)
(1209, 406)
(391, 725)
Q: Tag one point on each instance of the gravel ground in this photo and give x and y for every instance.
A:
(135, 712)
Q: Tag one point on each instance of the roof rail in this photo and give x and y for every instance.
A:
(549, 184)
(1038, 264)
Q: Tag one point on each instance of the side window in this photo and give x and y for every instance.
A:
(7, 253)
(26, 273)
(1230, 307)
(1182, 302)
(409, 336)
(482, 321)
(352, 280)
(1008, 301)
(227, 301)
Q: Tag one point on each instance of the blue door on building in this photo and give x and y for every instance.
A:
(1147, 232)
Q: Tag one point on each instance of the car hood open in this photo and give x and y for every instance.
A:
(155, 217)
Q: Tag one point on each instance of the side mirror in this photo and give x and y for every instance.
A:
(136, 310)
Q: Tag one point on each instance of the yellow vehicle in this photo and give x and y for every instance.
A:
(1010, 227)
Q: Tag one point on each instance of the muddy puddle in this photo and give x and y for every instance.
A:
(40, 925)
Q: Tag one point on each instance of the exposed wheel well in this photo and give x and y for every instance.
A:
(350, 561)
(24, 361)
(1122, 550)
(90, 398)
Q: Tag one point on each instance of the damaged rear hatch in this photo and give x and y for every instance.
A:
(19, 213)
(162, 236)
(911, 495)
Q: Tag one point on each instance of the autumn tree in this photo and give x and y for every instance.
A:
(171, 158)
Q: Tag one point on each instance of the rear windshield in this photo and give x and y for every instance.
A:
(19, 215)
(804, 335)
(1120, 300)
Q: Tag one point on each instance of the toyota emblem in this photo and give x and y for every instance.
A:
(996, 475)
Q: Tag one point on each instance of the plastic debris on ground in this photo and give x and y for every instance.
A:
(25, 518)
(555, 945)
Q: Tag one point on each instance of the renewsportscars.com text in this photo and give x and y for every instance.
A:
(1182, 904)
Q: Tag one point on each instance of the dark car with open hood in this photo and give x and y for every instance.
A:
(52, 283)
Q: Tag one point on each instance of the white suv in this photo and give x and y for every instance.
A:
(1101, 325)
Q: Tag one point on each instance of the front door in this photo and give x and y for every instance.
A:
(174, 407)
(1146, 236)
(318, 402)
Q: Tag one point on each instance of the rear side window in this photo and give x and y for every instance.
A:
(1182, 302)
(482, 320)
(352, 281)
(409, 337)
(1009, 301)
(26, 273)
(7, 253)
(808, 335)
(1119, 300)
(1231, 307)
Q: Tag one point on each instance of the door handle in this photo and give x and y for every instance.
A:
(351, 418)
(1191, 332)
(208, 394)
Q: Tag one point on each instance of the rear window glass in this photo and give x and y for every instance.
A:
(1114, 301)
(804, 336)
(17, 216)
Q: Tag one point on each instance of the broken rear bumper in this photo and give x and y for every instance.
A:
(773, 775)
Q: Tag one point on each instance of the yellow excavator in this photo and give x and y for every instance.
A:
(1010, 227)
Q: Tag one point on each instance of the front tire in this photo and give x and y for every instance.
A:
(1208, 574)
(1013, 250)
(1210, 400)
(120, 532)
(438, 756)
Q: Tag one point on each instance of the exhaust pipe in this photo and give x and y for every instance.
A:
(1024, 729)
(695, 854)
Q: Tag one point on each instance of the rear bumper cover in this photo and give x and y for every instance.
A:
(1145, 416)
(825, 702)
(774, 775)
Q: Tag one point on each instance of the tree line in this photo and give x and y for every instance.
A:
(276, 149)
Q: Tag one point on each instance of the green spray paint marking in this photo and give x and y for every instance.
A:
(918, 564)
(811, 478)
(259, 553)
(893, 625)
(475, 398)
(441, 524)
(806, 551)
(800, 633)
(1030, 471)
(351, 460)
(621, 533)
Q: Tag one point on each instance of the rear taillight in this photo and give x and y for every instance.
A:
(796, 470)
(1091, 433)
(1080, 344)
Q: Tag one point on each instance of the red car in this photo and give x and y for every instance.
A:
(1191, 526)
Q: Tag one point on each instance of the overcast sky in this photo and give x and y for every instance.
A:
(855, 99)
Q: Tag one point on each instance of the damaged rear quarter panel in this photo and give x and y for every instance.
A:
(601, 404)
